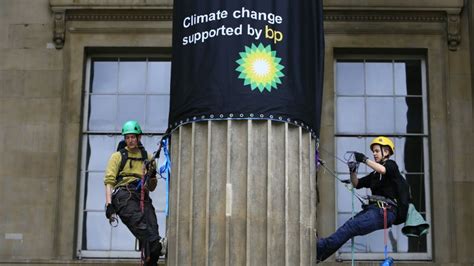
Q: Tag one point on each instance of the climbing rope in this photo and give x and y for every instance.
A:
(352, 239)
(347, 183)
(388, 261)
(142, 208)
(385, 231)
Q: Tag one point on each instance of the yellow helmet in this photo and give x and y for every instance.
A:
(383, 141)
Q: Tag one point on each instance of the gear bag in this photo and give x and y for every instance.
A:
(403, 200)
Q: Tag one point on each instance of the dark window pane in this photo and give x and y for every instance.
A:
(414, 115)
(409, 82)
(409, 115)
(409, 154)
(417, 185)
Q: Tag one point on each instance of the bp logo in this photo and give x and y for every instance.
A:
(260, 68)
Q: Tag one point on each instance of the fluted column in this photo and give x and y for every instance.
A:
(242, 193)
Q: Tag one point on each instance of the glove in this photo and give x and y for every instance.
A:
(151, 176)
(360, 157)
(109, 210)
(353, 167)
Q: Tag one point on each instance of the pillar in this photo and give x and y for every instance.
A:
(242, 193)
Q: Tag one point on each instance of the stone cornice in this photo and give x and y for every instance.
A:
(448, 6)
(109, 4)
(62, 15)
(120, 15)
(421, 11)
(358, 16)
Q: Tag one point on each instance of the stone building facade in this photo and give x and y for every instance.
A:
(46, 50)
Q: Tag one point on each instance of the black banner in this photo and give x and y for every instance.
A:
(250, 59)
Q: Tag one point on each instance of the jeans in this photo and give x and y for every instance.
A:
(368, 220)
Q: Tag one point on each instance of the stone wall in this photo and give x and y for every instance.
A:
(41, 100)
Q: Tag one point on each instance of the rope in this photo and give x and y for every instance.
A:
(331, 154)
(352, 239)
(142, 208)
(346, 184)
(385, 230)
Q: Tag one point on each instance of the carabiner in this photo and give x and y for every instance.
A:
(381, 204)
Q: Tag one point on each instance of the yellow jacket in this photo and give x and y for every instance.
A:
(130, 172)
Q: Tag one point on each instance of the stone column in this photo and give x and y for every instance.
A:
(242, 193)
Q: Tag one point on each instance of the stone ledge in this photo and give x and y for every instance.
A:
(119, 15)
(364, 16)
(424, 11)
(109, 4)
(410, 5)
(88, 262)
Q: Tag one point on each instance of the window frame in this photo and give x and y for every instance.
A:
(164, 56)
(425, 136)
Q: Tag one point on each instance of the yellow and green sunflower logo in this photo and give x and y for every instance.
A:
(260, 68)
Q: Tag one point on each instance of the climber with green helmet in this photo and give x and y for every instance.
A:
(127, 170)
(383, 185)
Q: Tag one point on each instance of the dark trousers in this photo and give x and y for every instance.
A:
(142, 224)
(366, 221)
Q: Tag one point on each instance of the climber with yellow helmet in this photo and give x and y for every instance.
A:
(383, 183)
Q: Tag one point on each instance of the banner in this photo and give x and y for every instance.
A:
(250, 59)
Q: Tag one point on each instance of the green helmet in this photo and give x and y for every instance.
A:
(131, 127)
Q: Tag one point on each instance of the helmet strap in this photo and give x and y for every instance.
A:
(383, 155)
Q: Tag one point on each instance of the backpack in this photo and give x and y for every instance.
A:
(403, 200)
(124, 155)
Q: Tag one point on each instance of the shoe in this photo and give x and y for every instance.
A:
(164, 246)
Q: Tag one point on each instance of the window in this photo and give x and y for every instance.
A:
(383, 96)
(118, 89)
